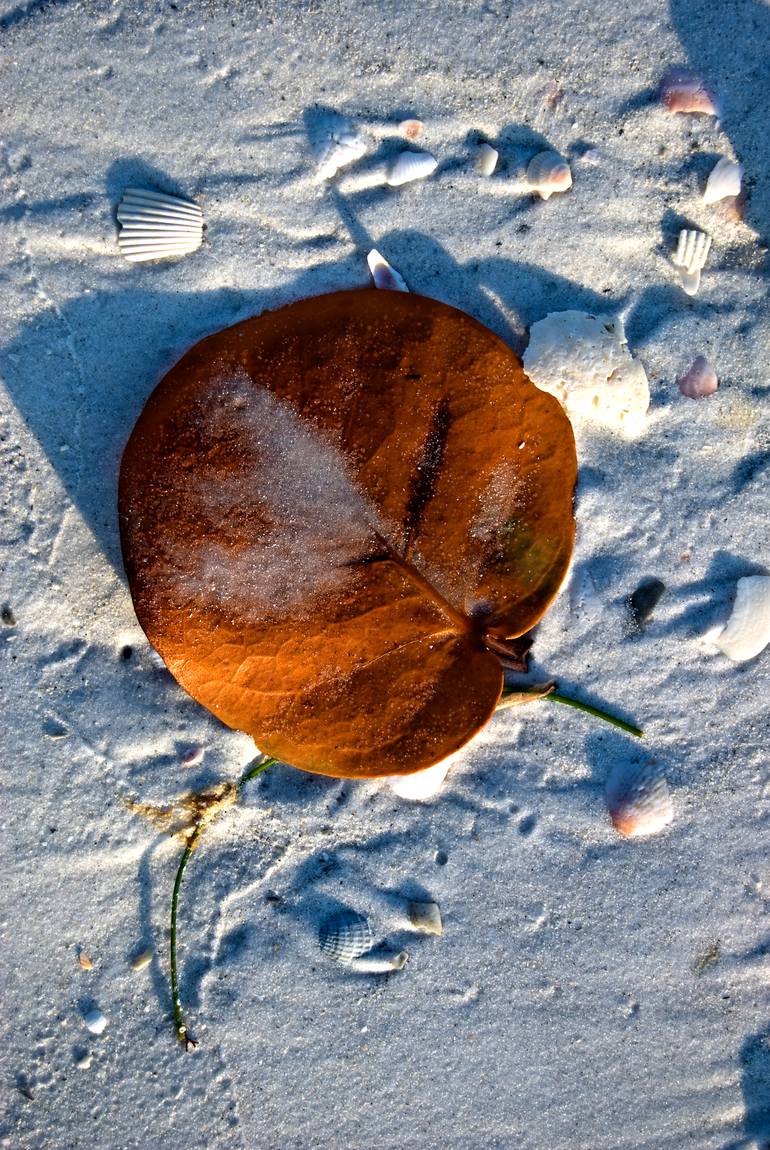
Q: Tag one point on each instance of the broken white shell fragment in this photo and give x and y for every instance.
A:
(699, 380)
(422, 784)
(724, 182)
(380, 963)
(410, 166)
(690, 257)
(548, 173)
(683, 91)
(155, 226)
(337, 150)
(584, 361)
(748, 629)
(486, 159)
(95, 1021)
(638, 800)
(384, 276)
(345, 936)
(425, 917)
(142, 959)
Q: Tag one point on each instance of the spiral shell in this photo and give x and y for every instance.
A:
(345, 936)
(548, 173)
(154, 225)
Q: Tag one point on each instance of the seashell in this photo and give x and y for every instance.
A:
(682, 91)
(142, 959)
(547, 174)
(337, 150)
(584, 361)
(412, 129)
(345, 936)
(420, 785)
(383, 274)
(95, 1021)
(84, 961)
(156, 226)
(699, 380)
(380, 963)
(408, 166)
(690, 257)
(748, 628)
(425, 917)
(724, 182)
(639, 801)
(486, 159)
(83, 1061)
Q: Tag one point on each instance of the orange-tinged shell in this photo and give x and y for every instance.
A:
(326, 509)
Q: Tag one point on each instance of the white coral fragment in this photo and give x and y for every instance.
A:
(584, 361)
(748, 629)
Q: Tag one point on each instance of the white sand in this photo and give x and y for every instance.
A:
(587, 991)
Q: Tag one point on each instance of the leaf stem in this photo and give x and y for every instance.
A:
(629, 728)
(257, 767)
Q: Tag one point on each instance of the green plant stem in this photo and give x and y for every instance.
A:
(629, 728)
(251, 772)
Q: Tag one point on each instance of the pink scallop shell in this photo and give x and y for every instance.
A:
(699, 380)
(682, 91)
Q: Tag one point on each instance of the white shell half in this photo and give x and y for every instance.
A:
(548, 173)
(345, 937)
(154, 225)
(337, 150)
(425, 917)
(95, 1021)
(690, 257)
(724, 181)
(699, 380)
(384, 276)
(638, 801)
(584, 361)
(410, 166)
(486, 159)
(421, 785)
(748, 630)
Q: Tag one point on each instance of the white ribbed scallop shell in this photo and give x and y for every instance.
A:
(548, 173)
(690, 257)
(748, 630)
(156, 226)
(410, 166)
(345, 936)
(639, 801)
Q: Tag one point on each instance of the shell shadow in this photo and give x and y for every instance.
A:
(755, 1087)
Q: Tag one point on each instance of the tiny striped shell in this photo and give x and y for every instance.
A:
(425, 917)
(690, 257)
(486, 159)
(682, 91)
(383, 274)
(155, 226)
(639, 801)
(408, 166)
(345, 936)
(548, 173)
(724, 182)
(748, 629)
(699, 380)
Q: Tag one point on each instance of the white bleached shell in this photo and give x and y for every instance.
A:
(486, 159)
(724, 182)
(690, 257)
(638, 800)
(548, 173)
(748, 629)
(337, 150)
(382, 962)
(141, 960)
(420, 785)
(425, 917)
(585, 362)
(683, 91)
(95, 1021)
(384, 276)
(345, 936)
(408, 166)
(156, 226)
(699, 380)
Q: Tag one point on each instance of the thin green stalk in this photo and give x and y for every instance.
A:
(629, 728)
(252, 770)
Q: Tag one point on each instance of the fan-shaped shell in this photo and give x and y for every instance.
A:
(638, 800)
(410, 166)
(748, 630)
(345, 936)
(154, 225)
(548, 173)
(724, 181)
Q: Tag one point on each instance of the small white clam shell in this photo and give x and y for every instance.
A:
(638, 800)
(683, 91)
(337, 150)
(95, 1021)
(345, 936)
(380, 963)
(420, 785)
(548, 173)
(690, 257)
(748, 630)
(724, 181)
(425, 916)
(154, 225)
(384, 276)
(699, 380)
(486, 159)
(408, 166)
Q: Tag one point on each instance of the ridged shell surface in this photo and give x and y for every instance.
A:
(638, 800)
(548, 173)
(690, 257)
(410, 166)
(345, 936)
(748, 630)
(724, 181)
(154, 225)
